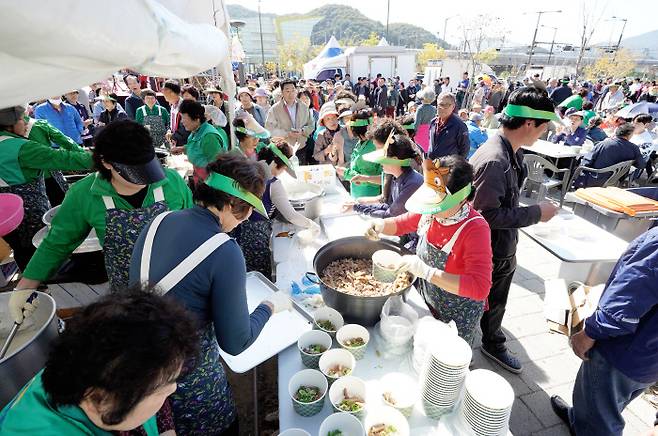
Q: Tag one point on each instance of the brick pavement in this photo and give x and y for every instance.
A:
(550, 366)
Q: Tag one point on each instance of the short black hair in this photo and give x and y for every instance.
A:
(534, 98)
(401, 148)
(595, 122)
(460, 175)
(191, 89)
(193, 109)
(643, 118)
(119, 350)
(288, 82)
(363, 114)
(123, 132)
(625, 130)
(583, 92)
(407, 120)
(150, 92)
(173, 86)
(267, 155)
(304, 92)
(248, 174)
(588, 105)
(382, 129)
(237, 122)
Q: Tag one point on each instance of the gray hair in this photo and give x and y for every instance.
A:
(449, 96)
(428, 95)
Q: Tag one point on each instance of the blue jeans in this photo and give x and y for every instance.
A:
(600, 394)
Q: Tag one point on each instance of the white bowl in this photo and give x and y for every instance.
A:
(294, 432)
(388, 416)
(348, 424)
(337, 356)
(404, 390)
(355, 387)
(328, 314)
(351, 331)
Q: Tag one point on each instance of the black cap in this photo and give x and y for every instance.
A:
(128, 147)
(10, 116)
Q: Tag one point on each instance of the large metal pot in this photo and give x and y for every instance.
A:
(29, 349)
(360, 310)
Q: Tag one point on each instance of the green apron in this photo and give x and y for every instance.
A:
(360, 166)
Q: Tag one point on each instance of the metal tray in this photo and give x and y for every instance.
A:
(281, 331)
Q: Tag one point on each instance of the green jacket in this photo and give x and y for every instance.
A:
(45, 133)
(588, 116)
(157, 109)
(204, 144)
(358, 165)
(575, 101)
(32, 413)
(34, 158)
(83, 209)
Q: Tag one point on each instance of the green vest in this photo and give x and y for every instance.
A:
(31, 412)
(10, 168)
(194, 150)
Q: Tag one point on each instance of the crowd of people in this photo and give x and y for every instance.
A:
(422, 160)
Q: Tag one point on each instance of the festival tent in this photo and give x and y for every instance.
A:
(331, 54)
(51, 47)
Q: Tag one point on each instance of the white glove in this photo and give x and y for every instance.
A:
(417, 267)
(375, 227)
(315, 229)
(19, 308)
(279, 301)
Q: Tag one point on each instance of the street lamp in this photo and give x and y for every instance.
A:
(262, 49)
(550, 53)
(445, 26)
(625, 20)
(534, 38)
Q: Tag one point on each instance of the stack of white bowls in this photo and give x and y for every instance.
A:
(487, 403)
(443, 374)
(428, 332)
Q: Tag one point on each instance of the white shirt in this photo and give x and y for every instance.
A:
(447, 88)
(292, 111)
(613, 100)
(645, 141)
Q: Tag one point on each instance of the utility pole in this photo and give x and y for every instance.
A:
(262, 49)
(388, 12)
(445, 25)
(550, 53)
(534, 37)
(620, 36)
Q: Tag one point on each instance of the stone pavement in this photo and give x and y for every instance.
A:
(550, 366)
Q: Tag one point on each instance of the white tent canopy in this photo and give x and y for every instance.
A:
(331, 54)
(51, 47)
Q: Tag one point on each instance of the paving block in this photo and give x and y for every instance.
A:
(518, 384)
(540, 403)
(553, 371)
(534, 285)
(537, 347)
(634, 425)
(556, 430)
(524, 306)
(525, 325)
(517, 290)
(643, 410)
(523, 421)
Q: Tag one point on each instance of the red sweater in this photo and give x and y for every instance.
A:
(470, 257)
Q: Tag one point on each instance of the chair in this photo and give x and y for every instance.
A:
(617, 173)
(537, 167)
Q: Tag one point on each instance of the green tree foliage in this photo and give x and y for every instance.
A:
(428, 53)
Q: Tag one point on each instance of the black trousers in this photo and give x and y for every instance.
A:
(493, 338)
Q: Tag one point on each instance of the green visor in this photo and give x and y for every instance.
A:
(514, 110)
(260, 135)
(361, 122)
(426, 200)
(379, 157)
(230, 186)
(408, 127)
(289, 169)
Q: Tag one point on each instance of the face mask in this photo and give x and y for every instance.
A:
(55, 101)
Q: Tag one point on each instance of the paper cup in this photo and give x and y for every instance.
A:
(354, 386)
(313, 337)
(348, 424)
(385, 265)
(351, 331)
(388, 416)
(335, 357)
(328, 314)
(308, 377)
(403, 389)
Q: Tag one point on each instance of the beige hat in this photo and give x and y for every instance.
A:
(328, 108)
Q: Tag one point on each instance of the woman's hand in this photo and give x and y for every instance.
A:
(416, 266)
(177, 150)
(340, 171)
(375, 227)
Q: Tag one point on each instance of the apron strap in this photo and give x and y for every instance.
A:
(158, 194)
(109, 202)
(190, 262)
(143, 108)
(448, 247)
(145, 264)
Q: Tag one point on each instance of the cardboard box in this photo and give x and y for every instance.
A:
(567, 306)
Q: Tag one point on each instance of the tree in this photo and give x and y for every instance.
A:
(372, 40)
(486, 56)
(605, 66)
(429, 52)
(295, 53)
(592, 15)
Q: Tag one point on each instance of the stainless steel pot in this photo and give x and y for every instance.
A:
(29, 349)
(360, 310)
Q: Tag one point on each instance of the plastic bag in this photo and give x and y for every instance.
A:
(396, 328)
(429, 331)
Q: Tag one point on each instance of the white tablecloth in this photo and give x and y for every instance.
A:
(556, 151)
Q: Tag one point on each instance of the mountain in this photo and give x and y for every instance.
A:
(350, 26)
(645, 44)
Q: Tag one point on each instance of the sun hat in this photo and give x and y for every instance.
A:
(328, 108)
(245, 90)
(261, 92)
(108, 97)
(474, 116)
(380, 156)
(434, 196)
(251, 126)
(573, 111)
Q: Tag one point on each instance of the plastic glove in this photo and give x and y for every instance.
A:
(417, 267)
(315, 229)
(279, 301)
(375, 227)
(19, 308)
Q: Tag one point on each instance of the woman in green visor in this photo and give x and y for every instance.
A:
(453, 256)
(250, 135)
(360, 171)
(109, 372)
(254, 235)
(188, 255)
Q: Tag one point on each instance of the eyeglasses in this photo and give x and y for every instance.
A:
(444, 105)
